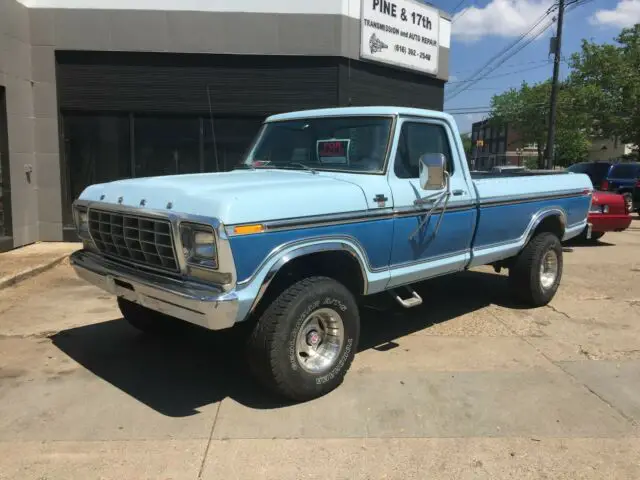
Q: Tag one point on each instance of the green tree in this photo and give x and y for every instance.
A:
(466, 142)
(609, 75)
(526, 110)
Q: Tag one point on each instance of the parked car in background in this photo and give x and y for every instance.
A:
(636, 198)
(596, 171)
(609, 212)
(622, 178)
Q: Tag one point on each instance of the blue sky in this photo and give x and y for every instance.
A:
(488, 26)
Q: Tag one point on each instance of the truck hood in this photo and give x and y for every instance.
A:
(239, 196)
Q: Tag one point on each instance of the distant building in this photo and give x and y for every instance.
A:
(603, 149)
(491, 146)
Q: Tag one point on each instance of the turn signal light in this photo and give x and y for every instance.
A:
(247, 229)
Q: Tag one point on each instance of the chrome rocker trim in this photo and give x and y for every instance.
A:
(202, 305)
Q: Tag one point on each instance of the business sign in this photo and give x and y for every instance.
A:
(400, 32)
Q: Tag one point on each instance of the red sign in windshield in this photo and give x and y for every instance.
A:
(333, 151)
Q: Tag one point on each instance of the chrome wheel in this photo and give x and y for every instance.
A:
(320, 340)
(549, 269)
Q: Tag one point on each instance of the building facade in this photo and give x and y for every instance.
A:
(497, 146)
(98, 90)
(604, 149)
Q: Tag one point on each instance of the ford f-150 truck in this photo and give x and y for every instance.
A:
(328, 206)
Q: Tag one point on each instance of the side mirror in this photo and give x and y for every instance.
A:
(432, 171)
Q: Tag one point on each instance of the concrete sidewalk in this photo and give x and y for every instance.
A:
(22, 263)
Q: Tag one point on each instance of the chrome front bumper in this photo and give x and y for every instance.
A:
(195, 303)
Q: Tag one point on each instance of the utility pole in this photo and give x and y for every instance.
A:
(551, 135)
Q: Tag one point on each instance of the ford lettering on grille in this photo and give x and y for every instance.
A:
(131, 238)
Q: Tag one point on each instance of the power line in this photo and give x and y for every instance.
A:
(455, 9)
(571, 5)
(520, 64)
(504, 51)
(506, 74)
(463, 12)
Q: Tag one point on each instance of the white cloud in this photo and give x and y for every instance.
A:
(465, 121)
(474, 117)
(500, 18)
(626, 14)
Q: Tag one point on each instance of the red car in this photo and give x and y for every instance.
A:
(610, 212)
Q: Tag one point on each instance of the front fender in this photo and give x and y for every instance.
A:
(251, 291)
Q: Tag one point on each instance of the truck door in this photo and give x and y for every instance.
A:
(418, 251)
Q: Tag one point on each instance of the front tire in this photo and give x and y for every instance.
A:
(303, 344)
(537, 270)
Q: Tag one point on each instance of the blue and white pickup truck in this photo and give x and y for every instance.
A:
(328, 206)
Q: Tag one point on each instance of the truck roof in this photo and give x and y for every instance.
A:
(382, 110)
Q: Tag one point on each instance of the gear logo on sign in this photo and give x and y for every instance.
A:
(376, 45)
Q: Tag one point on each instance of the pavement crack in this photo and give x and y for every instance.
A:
(206, 450)
(600, 397)
(559, 311)
(45, 334)
(559, 367)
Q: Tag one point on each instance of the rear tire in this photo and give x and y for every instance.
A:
(536, 272)
(146, 320)
(595, 236)
(303, 344)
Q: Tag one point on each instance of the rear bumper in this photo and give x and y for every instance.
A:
(191, 302)
(609, 223)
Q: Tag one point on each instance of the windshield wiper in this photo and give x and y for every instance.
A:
(286, 165)
(298, 164)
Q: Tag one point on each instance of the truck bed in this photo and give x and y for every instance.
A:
(479, 174)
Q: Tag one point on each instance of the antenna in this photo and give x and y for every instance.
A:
(213, 131)
(349, 53)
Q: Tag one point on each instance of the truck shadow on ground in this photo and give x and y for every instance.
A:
(195, 367)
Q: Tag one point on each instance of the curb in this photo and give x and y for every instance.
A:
(11, 280)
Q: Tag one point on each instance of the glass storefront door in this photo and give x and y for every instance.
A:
(6, 242)
(105, 147)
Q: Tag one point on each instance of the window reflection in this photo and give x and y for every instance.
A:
(231, 138)
(97, 150)
(166, 146)
(101, 148)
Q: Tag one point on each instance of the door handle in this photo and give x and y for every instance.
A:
(458, 192)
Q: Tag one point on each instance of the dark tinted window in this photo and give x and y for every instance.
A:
(416, 139)
(97, 149)
(226, 140)
(596, 171)
(578, 168)
(625, 170)
(5, 185)
(166, 145)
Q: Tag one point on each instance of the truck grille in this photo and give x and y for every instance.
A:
(142, 240)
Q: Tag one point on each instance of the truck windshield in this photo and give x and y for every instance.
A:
(350, 144)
